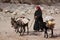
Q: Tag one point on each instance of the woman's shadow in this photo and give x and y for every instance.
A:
(33, 33)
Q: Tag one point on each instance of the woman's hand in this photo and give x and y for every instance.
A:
(35, 17)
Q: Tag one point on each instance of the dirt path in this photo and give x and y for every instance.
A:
(8, 33)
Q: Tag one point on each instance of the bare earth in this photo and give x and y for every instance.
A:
(8, 33)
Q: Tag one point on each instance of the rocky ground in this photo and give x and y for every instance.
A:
(8, 33)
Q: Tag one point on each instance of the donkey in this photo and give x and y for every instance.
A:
(48, 27)
(19, 26)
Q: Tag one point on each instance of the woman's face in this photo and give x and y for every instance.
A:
(37, 8)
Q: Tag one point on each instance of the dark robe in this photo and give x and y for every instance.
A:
(38, 20)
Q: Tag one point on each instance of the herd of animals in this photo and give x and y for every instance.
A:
(19, 26)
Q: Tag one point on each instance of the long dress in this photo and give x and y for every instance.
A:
(38, 20)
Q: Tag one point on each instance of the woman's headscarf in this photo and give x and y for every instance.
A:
(38, 8)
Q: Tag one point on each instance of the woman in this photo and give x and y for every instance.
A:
(38, 19)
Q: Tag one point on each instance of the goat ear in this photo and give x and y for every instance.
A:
(29, 19)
